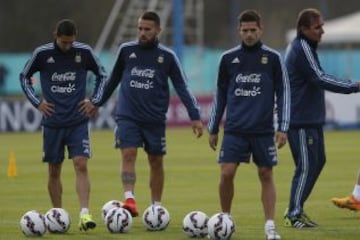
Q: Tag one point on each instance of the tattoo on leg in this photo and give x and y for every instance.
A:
(128, 178)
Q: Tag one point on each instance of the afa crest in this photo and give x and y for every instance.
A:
(160, 59)
(310, 141)
(78, 58)
(264, 59)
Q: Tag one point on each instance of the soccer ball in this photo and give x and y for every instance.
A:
(109, 205)
(156, 218)
(118, 220)
(57, 220)
(32, 223)
(195, 224)
(220, 227)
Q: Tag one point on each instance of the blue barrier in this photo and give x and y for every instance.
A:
(200, 65)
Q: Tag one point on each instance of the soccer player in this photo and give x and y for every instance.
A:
(252, 80)
(63, 66)
(351, 202)
(143, 69)
(306, 139)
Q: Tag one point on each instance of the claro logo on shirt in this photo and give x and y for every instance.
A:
(143, 85)
(247, 93)
(63, 89)
(145, 74)
(63, 77)
(252, 79)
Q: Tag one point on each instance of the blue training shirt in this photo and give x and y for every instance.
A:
(250, 81)
(63, 80)
(308, 82)
(144, 90)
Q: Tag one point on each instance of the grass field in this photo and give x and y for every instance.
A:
(191, 184)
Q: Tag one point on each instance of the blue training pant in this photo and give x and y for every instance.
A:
(308, 151)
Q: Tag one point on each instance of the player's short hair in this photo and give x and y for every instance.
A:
(152, 16)
(306, 17)
(250, 16)
(66, 27)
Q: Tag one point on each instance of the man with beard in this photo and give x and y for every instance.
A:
(143, 68)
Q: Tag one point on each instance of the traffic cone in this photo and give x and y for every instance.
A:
(12, 170)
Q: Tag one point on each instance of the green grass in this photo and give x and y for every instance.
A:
(191, 183)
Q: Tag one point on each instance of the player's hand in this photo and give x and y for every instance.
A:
(87, 108)
(213, 140)
(197, 128)
(46, 108)
(280, 138)
(33, 81)
(93, 112)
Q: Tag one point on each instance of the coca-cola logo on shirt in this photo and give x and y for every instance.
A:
(148, 73)
(63, 77)
(251, 78)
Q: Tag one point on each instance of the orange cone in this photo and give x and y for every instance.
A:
(12, 169)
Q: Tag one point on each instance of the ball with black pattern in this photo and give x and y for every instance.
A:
(195, 224)
(220, 227)
(32, 224)
(109, 205)
(57, 220)
(156, 218)
(118, 220)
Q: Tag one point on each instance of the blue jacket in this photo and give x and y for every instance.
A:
(251, 81)
(144, 90)
(63, 80)
(307, 84)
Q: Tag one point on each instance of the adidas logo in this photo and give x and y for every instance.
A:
(50, 60)
(133, 55)
(235, 60)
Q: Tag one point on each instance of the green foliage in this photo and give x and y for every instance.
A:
(191, 184)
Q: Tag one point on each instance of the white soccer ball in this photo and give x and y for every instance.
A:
(57, 220)
(220, 227)
(32, 223)
(195, 224)
(156, 218)
(109, 205)
(118, 220)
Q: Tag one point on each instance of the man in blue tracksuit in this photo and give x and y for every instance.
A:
(252, 79)
(306, 139)
(143, 69)
(63, 66)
